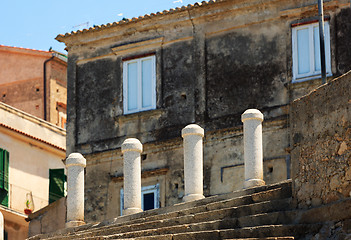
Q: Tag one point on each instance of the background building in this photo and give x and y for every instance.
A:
(31, 169)
(34, 81)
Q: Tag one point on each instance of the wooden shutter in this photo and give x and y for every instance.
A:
(4, 177)
(56, 185)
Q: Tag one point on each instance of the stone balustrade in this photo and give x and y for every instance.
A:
(193, 162)
(75, 165)
(253, 154)
(131, 149)
(193, 168)
(1, 226)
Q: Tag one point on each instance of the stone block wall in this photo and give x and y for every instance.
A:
(48, 219)
(321, 144)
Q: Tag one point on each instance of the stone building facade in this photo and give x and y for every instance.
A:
(206, 63)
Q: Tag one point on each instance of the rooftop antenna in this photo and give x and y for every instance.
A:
(86, 24)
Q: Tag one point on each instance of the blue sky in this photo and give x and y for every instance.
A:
(35, 23)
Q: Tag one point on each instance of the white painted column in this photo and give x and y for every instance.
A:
(2, 229)
(193, 162)
(131, 149)
(75, 165)
(253, 154)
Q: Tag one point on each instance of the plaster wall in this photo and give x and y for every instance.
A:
(32, 125)
(34, 147)
(26, 64)
(22, 81)
(29, 170)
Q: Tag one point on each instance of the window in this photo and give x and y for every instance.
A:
(306, 51)
(4, 177)
(150, 197)
(139, 80)
(57, 179)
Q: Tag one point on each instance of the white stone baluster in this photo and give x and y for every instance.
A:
(193, 162)
(253, 154)
(1, 226)
(75, 165)
(131, 149)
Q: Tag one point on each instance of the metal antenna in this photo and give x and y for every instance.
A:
(86, 24)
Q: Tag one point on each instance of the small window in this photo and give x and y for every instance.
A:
(306, 51)
(150, 197)
(139, 80)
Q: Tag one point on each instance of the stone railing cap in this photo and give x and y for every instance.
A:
(193, 129)
(132, 144)
(252, 114)
(76, 159)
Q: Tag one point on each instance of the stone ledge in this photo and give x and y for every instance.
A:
(144, 174)
(335, 211)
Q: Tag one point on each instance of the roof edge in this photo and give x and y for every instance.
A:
(61, 37)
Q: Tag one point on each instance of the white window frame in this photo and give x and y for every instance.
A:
(139, 97)
(144, 190)
(312, 74)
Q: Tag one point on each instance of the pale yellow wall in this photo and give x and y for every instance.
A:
(31, 125)
(29, 170)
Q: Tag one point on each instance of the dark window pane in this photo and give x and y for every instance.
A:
(56, 184)
(149, 201)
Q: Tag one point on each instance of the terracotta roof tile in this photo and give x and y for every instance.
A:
(135, 19)
(33, 137)
(21, 48)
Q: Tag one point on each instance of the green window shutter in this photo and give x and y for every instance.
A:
(57, 184)
(6, 171)
(4, 177)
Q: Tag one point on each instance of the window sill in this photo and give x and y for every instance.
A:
(140, 115)
(308, 78)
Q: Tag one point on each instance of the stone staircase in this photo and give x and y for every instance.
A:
(264, 212)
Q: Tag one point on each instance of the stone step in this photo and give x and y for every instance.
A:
(215, 225)
(232, 205)
(260, 232)
(169, 237)
(296, 230)
(235, 212)
(266, 238)
(227, 209)
(269, 218)
(190, 205)
(279, 193)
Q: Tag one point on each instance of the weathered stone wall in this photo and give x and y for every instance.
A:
(321, 144)
(48, 219)
(212, 63)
